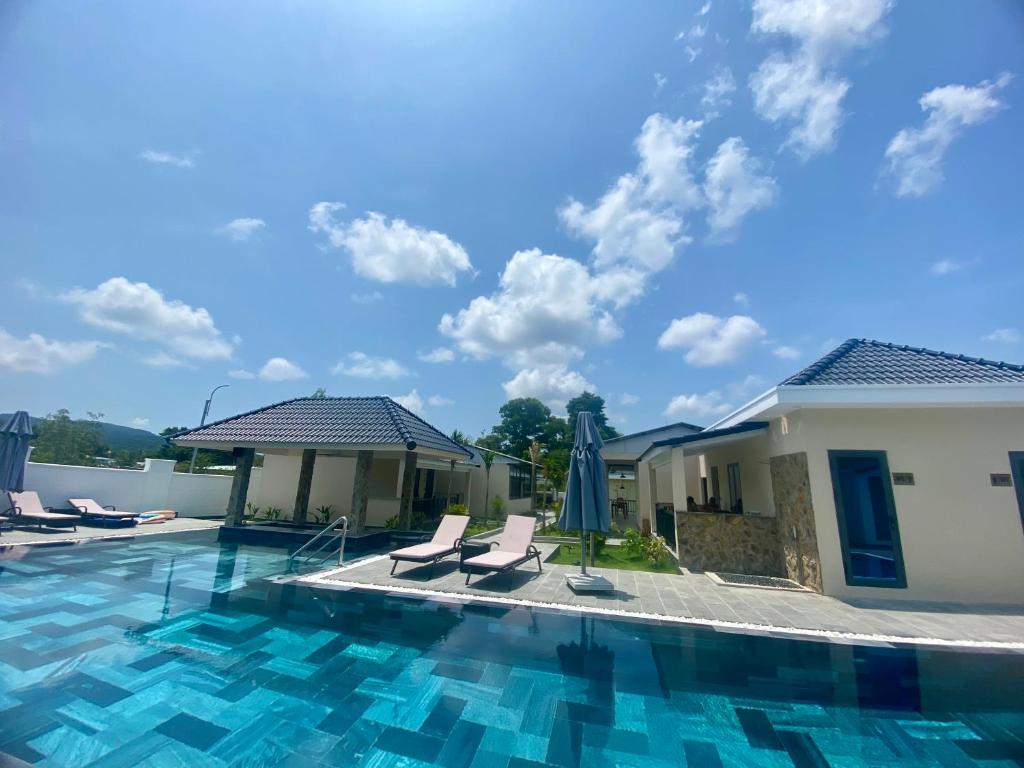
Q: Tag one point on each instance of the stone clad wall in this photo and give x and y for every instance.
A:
(729, 543)
(791, 488)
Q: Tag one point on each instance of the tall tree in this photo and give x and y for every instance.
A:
(588, 401)
(523, 420)
(460, 437)
(488, 458)
(535, 449)
(62, 440)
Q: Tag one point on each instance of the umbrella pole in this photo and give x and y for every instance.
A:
(583, 551)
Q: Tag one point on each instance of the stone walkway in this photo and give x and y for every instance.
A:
(34, 536)
(693, 598)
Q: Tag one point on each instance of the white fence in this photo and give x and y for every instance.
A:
(155, 486)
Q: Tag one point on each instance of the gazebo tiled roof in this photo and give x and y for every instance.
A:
(327, 422)
(862, 361)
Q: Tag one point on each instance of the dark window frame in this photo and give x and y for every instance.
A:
(900, 582)
(518, 481)
(735, 489)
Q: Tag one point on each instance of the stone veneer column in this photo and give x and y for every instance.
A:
(408, 477)
(360, 490)
(244, 458)
(305, 485)
(798, 538)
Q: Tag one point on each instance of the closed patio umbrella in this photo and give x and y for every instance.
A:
(585, 507)
(14, 437)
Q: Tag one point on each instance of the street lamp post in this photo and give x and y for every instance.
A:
(202, 421)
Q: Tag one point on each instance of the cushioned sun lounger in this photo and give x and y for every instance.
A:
(26, 509)
(516, 547)
(447, 540)
(91, 511)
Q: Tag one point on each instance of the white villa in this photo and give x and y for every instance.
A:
(878, 471)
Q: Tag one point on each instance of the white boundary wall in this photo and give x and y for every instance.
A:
(155, 486)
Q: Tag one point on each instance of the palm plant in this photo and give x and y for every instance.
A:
(534, 460)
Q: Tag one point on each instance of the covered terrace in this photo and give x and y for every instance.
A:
(364, 457)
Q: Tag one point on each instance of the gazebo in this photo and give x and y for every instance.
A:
(369, 447)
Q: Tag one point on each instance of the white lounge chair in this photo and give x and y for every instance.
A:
(93, 512)
(26, 508)
(516, 547)
(447, 540)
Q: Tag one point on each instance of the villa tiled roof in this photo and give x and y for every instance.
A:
(326, 421)
(862, 361)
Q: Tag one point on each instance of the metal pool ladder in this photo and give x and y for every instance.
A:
(319, 554)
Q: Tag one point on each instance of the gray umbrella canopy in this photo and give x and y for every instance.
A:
(586, 496)
(14, 437)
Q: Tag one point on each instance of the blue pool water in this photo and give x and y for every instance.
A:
(175, 651)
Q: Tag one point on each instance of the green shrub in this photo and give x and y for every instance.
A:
(323, 513)
(497, 506)
(391, 523)
(458, 509)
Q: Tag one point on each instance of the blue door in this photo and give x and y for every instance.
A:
(1017, 470)
(866, 512)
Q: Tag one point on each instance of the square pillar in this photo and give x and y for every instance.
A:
(408, 479)
(360, 490)
(305, 484)
(244, 458)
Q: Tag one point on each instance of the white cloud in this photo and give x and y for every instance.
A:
(697, 406)
(241, 373)
(803, 87)
(391, 251)
(704, 9)
(547, 309)
(554, 385)
(439, 355)
(366, 298)
(37, 354)
(280, 369)
(660, 81)
(141, 311)
(164, 360)
(627, 399)
(139, 422)
(784, 352)
(241, 230)
(362, 366)
(796, 90)
(710, 340)
(741, 298)
(638, 222)
(751, 384)
(717, 92)
(186, 160)
(946, 266)
(411, 401)
(734, 188)
(437, 401)
(915, 154)
(1004, 336)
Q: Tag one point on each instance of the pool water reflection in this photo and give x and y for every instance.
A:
(176, 651)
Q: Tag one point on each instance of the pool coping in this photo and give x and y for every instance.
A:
(135, 532)
(329, 580)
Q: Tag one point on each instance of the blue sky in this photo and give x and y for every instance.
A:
(461, 202)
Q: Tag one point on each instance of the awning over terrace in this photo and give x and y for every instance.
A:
(359, 427)
(709, 438)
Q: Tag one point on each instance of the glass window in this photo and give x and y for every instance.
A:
(518, 481)
(735, 492)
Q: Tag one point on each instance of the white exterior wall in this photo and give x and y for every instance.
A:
(333, 477)
(499, 487)
(755, 474)
(962, 538)
(156, 486)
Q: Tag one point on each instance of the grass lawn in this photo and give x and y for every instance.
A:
(478, 526)
(612, 556)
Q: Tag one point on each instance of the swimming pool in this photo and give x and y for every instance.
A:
(174, 650)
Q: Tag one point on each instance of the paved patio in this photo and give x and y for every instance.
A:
(693, 598)
(34, 536)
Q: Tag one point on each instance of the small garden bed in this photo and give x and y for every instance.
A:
(613, 556)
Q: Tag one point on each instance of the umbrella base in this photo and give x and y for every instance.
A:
(579, 583)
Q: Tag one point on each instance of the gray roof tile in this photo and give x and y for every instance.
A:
(862, 361)
(311, 421)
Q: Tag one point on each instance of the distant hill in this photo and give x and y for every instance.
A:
(120, 438)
